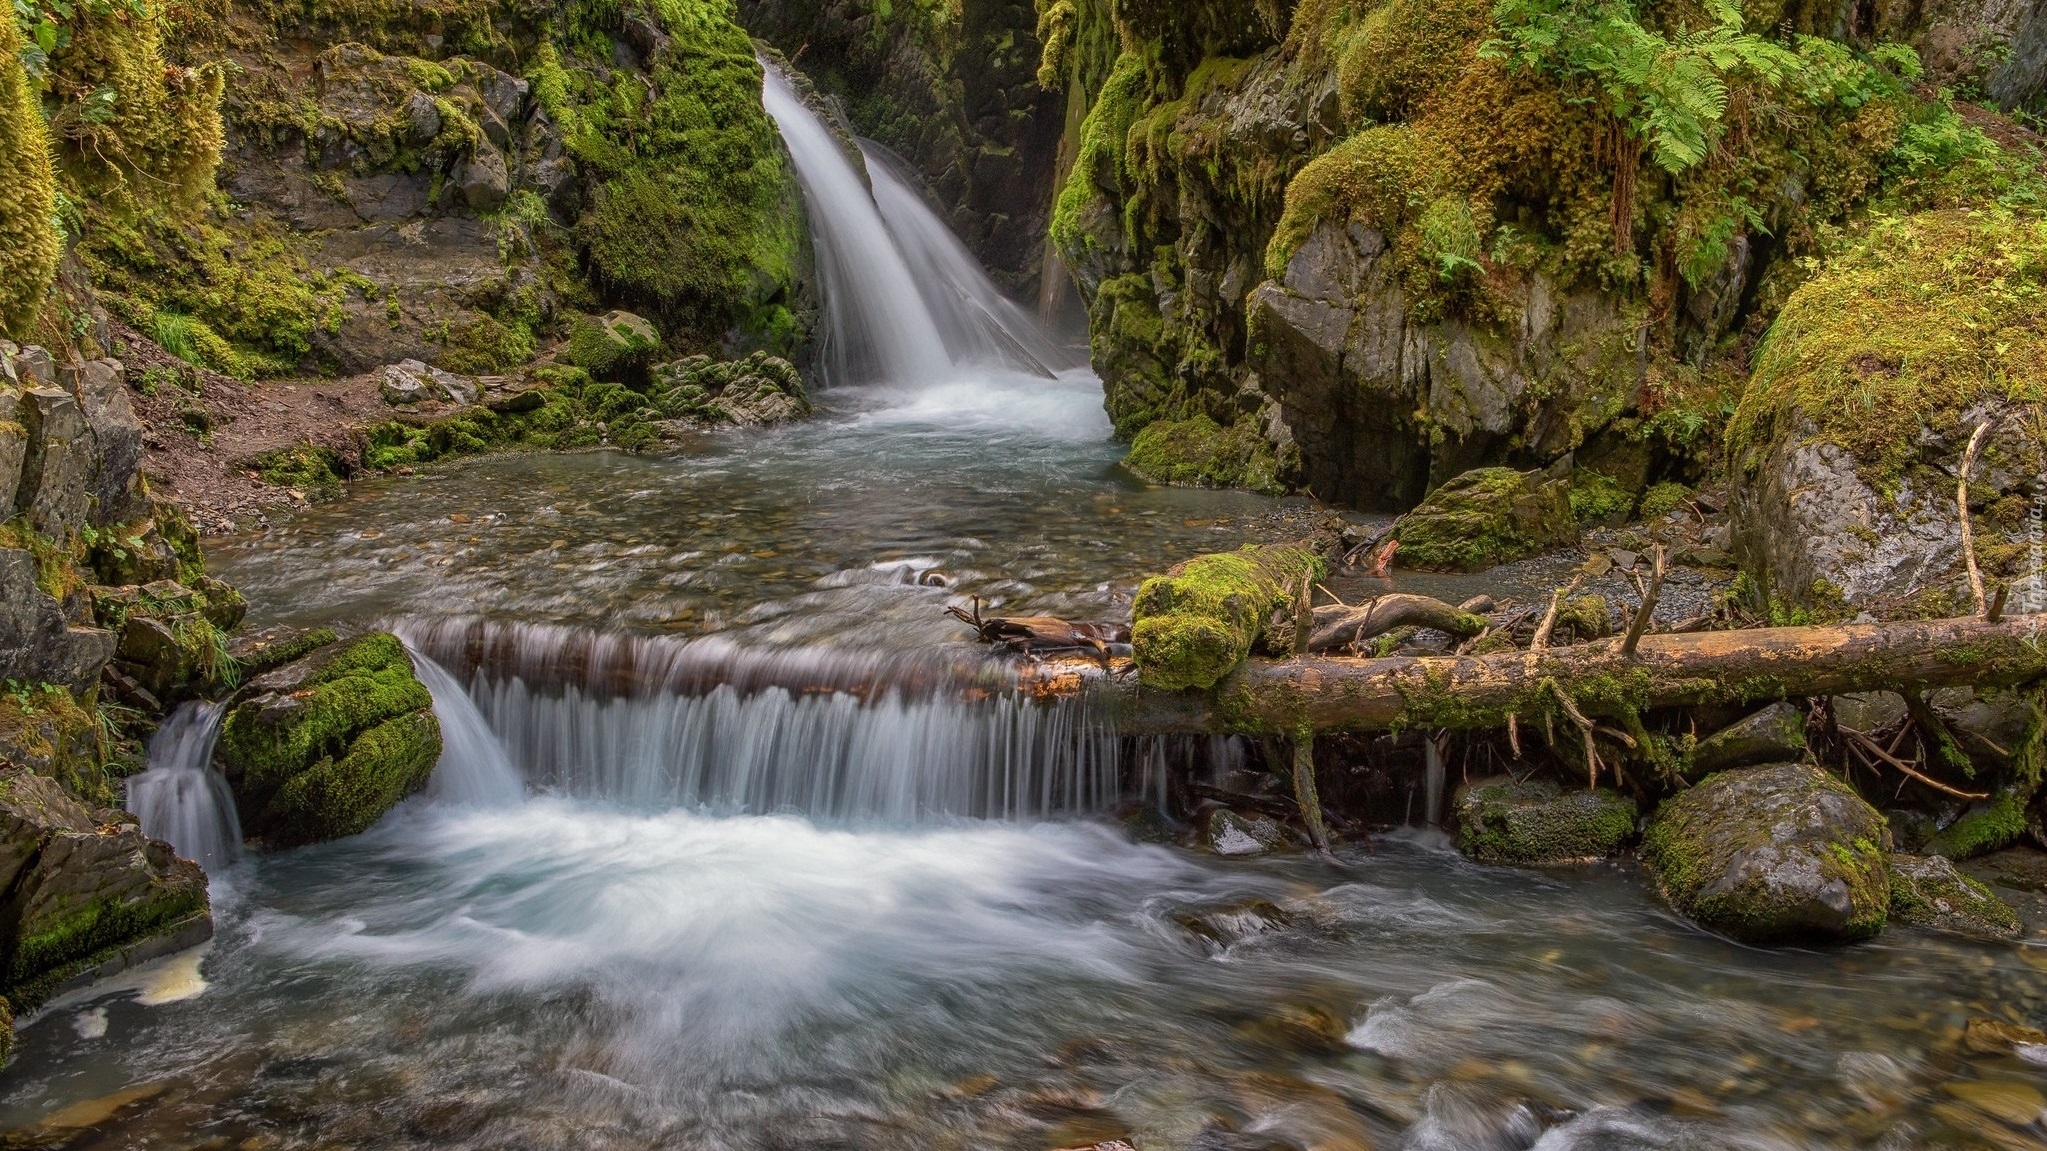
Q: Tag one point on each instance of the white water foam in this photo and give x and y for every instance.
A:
(180, 798)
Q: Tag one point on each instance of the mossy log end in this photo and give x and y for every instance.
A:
(1206, 616)
(1328, 693)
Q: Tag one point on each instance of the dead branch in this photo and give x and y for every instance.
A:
(1643, 614)
(1337, 626)
(1962, 506)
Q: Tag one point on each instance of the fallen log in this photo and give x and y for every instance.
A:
(1330, 693)
(1205, 616)
(1041, 634)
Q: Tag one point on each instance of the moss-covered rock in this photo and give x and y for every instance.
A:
(1986, 826)
(82, 885)
(1774, 734)
(1484, 517)
(1927, 892)
(43, 729)
(1197, 452)
(1194, 624)
(1768, 855)
(1865, 393)
(322, 748)
(613, 345)
(1505, 820)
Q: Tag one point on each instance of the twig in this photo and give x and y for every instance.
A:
(1305, 795)
(1640, 622)
(1962, 505)
(1585, 729)
(1873, 748)
(1997, 598)
(1549, 620)
(1514, 733)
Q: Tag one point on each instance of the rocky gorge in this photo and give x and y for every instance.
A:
(488, 482)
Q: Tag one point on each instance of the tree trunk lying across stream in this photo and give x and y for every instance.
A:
(1333, 693)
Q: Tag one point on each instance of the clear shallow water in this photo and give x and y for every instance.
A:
(573, 974)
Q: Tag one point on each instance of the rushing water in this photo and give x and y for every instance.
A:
(181, 799)
(737, 842)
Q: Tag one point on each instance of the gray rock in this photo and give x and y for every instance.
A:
(1228, 833)
(1929, 893)
(56, 470)
(37, 644)
(1773, 735)
(483, 179)
(13, 447)
(414, 381)
(422, 118)
(1768, 855)
(115, 477)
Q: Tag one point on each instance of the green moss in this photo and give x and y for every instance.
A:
(1904, 330)
(43, 728)
(1599, 499)
(268, 743)
(1484, 517)
(1197, 452)
(1930, 893)
(1997, 822)
(314, 469)
(1098, 168)
(1536, 822)
(28, 194)
(1201, 619)
(81, 928)
(1663, 498)
(341, 797)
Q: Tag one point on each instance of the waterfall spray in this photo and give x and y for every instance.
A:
(180, 799)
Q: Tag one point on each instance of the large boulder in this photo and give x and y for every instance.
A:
(1484, 517)
(1506, 820)
(1383, 403)
(322, 748)
(1929, 893)
(1848, 440)
(614, 344)
(1782, 854)
(85, 891)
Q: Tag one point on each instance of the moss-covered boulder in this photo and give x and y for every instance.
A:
(1199, 453)
(84, 890)
(1774, 734)
(43, 729)
(322, 748)
(613, 345)
(1194, 624)
(756, 391)
(1506, 820)
(1484, 517)
(1986, 825)
(1781, 854)
(1929, 893)
(1865, 394)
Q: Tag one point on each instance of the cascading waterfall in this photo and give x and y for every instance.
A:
(473, 768)
(834, 735)
(180, 798)
(876, 327)
(981, 326)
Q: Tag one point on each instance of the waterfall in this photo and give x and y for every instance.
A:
(876, 326)
(832, 734)
(180, 798)
(473, 768)
(981, 326)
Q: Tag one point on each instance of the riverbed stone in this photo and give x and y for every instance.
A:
(1928, 892)
(1226, 832)
(1773, 735)
(1534, 821)
(1771, 855)
(1484, 517)
(82, 885)
(321, 748)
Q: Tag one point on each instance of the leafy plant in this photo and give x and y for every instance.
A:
(1669, 91)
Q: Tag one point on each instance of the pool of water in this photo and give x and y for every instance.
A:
(600, 966)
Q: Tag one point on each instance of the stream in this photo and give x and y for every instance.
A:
(740, 843)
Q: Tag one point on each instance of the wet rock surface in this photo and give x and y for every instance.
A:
(1505, 820)
(1782, 854)
(1928, 892)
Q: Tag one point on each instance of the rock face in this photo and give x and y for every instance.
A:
(84, 889)
(1381, 407)
(1504, 820)
(1927, 892)
(1783, 854)
(1773, 735)
(1484, 517)
(322, 748)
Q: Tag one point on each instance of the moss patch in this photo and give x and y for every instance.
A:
(28, 195)
(1199, 453)
(1928, 892)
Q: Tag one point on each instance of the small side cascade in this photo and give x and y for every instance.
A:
(834, 735)
(180, 798)
(473, 769)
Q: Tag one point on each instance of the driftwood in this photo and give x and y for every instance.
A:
(1042, 634)
(1338, 626)
(1328, 693)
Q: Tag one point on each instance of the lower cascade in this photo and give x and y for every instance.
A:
(180, 798)
(829, 734)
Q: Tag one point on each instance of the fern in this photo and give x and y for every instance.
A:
(1669, 92)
